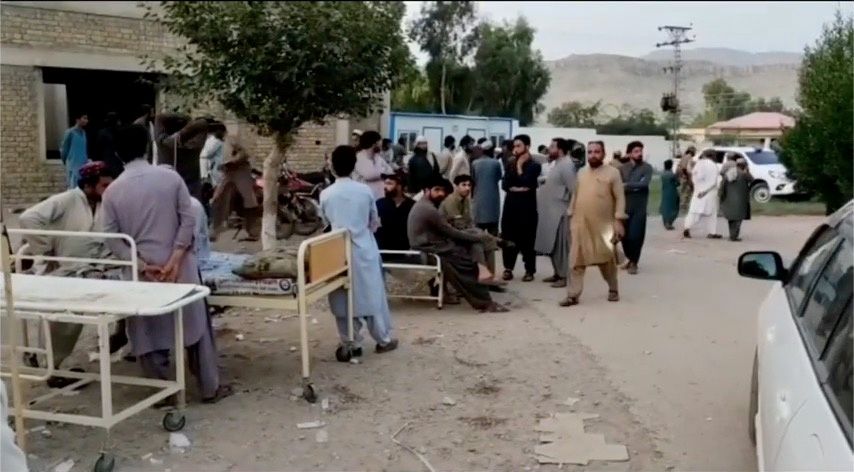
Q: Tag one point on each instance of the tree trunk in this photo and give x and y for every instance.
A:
(442, 88)
(272, 169)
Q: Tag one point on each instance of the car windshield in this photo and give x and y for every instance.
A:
(763, 157)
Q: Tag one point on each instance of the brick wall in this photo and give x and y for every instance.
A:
(26, 175)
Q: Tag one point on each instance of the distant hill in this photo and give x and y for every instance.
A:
(729, 57)
(640, 82)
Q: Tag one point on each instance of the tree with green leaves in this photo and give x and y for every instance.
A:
(279, 65)
(724, 102)
(574, 114)
(447, 32)
(819, 149)
(630, 122)
(510, 77)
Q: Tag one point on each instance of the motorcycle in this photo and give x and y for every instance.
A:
(298, 210)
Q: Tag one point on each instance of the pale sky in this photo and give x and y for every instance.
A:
(630, 28)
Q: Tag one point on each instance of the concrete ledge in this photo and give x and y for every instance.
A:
(52, 57)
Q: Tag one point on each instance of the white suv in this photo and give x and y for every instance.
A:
(801, 392)
(769, 174)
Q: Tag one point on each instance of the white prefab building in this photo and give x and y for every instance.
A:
(435, 127)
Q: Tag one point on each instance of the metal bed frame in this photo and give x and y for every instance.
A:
(88, 312)
(431, 268)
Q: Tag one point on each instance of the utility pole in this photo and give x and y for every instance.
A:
(678, 35)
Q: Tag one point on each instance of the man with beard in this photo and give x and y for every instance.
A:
(636, 176)
(552, 202)
(461, 163)
(370, 165)
(596, 212)
(430, 232)
(423, 167)
(519, 220)
(179, 143)
(393, 211)
(447, 155)
(486, 202)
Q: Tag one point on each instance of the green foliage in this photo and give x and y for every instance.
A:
(723, 102)
(509, 76)
(819, 149)
(633, 122)
(575, 114)
(278, 65)
(446, 31)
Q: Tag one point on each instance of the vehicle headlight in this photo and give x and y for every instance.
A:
(775, 174)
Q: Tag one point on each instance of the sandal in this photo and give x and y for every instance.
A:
(568, 301)
(613, 296)
(223, 391)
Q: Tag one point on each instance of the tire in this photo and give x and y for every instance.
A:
(760, 193)
(754, 400)
(310, 220)
(285, 226)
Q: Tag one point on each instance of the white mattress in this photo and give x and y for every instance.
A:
(218, 276)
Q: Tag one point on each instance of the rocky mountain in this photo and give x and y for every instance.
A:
(640, 82)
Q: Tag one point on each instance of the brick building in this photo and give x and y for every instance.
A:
(57, 58)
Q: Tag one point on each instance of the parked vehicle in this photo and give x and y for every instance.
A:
(770, 175)
(801, 390)
(298, 209)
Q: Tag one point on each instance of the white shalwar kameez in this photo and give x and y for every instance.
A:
(703, 211)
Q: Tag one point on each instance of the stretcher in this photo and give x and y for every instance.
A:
(100, 303)
(323, 265)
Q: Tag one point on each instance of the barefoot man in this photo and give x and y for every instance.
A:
(596, 212)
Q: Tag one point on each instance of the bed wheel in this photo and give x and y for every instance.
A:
(343, 353)
(174, 421)
(309, 394)
(105, 463)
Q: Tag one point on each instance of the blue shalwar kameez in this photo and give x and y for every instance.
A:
(350, 205)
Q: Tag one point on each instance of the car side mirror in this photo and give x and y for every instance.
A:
(767, 265)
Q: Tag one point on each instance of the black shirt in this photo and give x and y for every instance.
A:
(392, 234)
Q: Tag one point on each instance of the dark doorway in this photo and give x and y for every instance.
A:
(96, 93)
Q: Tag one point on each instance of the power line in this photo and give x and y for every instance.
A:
(678, 35)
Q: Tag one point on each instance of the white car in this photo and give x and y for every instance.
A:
(801, 392)
(769, 174)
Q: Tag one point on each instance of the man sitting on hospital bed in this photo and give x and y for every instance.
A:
(76, 209)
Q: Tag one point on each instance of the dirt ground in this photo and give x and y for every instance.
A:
(667, 369)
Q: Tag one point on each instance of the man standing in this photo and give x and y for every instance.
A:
(393, 210)
(669, 208)
(370, 165)
(423, 166)
(73, 150)
(596, 212)
(430, 232)
(735, 198)
(446, 156)
(179, 144)
(486, 200)
(683, 173)
(617, 159)
(211, 157)
(636, 176)
(703, 210)
(151, 204)
(236, 191)
(351, 205)
(553, 199)
(519, 220)
(146, 119)
(105, 143)
(78, 209)
(461, 165)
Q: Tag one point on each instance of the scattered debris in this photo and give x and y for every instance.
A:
(239, 336)
(571, 401)
(413, 451)
(147, 456)
(483, 422)
(314, 321)
(297, 391)
(36, 429)
(709, 418)
(468, 363)
(292, 349)
(311, 425)
(448, 401)
(178, 442)
(564, 441)
(268, 340)
(64, 466)
(484, 387)
(676, 251)
(355, 361)
(347, 396)
(324, 404)
(271, 319)
(156, 461)
(321, 436)
(646, 353)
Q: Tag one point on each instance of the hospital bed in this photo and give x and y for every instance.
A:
(100, 303)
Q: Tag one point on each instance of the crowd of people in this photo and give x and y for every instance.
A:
(160, 178)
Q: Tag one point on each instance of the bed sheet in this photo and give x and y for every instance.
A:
(218, 276)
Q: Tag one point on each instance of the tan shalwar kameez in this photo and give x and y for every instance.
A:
(597, 202)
